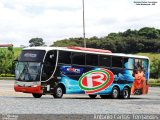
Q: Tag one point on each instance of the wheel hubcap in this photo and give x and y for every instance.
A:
(59, 92)
(115, 93)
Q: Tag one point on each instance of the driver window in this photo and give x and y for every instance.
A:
(51, 58)
(49, 64)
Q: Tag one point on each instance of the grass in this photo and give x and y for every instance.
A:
(154, 82)
(6, 78)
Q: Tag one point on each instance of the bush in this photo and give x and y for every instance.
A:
(154, 82)
(6, 78)
(155, 68)
(7, 75)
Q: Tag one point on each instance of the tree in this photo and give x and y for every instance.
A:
(7, 56)
(131, 41)
(36, 42)
(149, 32)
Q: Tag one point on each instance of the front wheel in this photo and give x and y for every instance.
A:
(92, 96)
(35, 95)
(58, 92)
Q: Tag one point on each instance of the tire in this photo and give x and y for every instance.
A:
(58, 92)
(115, 93)
(35, 95)
(92, 96)
(125, 93)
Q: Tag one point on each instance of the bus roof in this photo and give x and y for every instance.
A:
(89, 49)
(85, 51)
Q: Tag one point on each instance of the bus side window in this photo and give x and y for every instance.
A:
(128, 63)
(78, 58)
(104, 60)
(138, 64)
(145, 64)
(117, 62)
(92, 59)
(64, 57)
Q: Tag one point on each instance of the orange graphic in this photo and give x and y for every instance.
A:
(139, 85)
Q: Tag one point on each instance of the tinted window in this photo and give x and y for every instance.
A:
(78, 58)
(92, 59)
(64, 57)
(145, 64)
(49, 64)
(138, 64)
(32, 55)
(117, 61)
(128, 63)
(104, 61)
(51, 57)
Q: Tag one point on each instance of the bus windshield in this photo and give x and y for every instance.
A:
(28, 71)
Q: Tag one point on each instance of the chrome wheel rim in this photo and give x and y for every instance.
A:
(59, 92)
(115, 93)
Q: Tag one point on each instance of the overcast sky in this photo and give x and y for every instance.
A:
(21, 20)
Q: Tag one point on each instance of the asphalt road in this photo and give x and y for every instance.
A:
(22, 103)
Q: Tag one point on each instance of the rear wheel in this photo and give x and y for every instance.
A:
(125, 93)
(92, 96)
(35, 95)
(58, 93)
(115, 93)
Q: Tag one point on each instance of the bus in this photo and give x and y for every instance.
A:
(76, 70)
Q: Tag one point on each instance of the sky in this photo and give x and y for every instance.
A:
(52, 20)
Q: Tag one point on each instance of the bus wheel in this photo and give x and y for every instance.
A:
(125, 93)
(105, 96)
(35, 95)
(58, 92)
(92, 96)
(115, 93)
